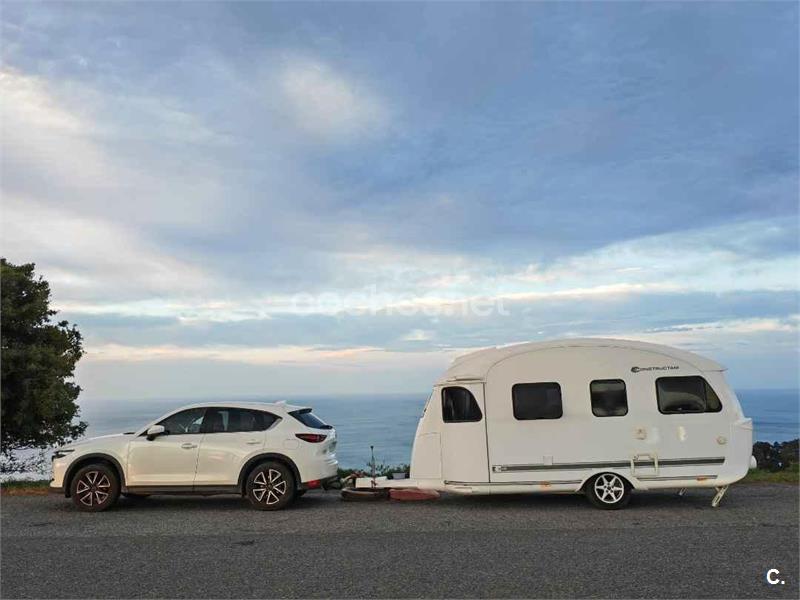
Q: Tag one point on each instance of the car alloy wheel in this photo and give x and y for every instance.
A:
(270, 486)
(94, 487)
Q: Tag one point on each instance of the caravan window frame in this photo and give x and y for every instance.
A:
(624, 392)
(560, 401)
(474, 404)
(706, 388)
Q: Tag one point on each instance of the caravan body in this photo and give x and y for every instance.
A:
(550, 417)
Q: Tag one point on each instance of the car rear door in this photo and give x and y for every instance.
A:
(231, 437)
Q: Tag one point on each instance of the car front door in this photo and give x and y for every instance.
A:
(231, 437)
(170, 459)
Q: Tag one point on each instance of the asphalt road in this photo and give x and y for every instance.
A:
(512, 546)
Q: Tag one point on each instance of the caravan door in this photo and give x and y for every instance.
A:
(464, 453)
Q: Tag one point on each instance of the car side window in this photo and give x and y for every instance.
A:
(249, 420)
(184, 422)
(234, 420)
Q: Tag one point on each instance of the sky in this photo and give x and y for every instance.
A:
(237, 199)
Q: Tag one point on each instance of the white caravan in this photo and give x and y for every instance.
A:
(594, 415)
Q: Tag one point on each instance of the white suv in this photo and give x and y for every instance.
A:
(271, 453)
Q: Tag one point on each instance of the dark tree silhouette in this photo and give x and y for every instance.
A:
(38, 362)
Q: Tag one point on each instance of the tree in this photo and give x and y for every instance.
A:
(38, 361)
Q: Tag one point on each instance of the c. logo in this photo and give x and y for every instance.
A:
(773, 580)
(635, 369)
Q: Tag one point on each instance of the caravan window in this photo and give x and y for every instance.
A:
(536, 401)
(459, 406)
(609, 398)
(679, 395)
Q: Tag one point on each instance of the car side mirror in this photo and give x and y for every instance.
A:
(155, 431)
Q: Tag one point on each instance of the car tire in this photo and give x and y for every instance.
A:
(608, 491)
(271, 486)
(94, 488)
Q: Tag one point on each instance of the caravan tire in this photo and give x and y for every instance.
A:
(608, 491)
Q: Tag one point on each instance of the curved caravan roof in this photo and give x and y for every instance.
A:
(476, 365)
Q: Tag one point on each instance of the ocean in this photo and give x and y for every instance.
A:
(388, 421)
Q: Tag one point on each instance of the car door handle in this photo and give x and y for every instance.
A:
(188, 445)
(253, 442)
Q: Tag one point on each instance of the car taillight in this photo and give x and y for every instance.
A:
(314, 438)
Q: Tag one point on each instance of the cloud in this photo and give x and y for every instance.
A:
(328, 105)
(229, 371)
(758, 352)
(180, 178)
(40, 135)
(739, 257)
(765, 347)
(756, 325)
(27, 102)
(93, 258)
(114, 155)
(247, 355)
(417, 335)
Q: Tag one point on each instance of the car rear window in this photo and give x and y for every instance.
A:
(309, 419)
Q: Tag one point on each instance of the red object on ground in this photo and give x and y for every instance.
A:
(412, 494)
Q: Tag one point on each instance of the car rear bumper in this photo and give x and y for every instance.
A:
(319, 484)
(314, 473)
(326, 483)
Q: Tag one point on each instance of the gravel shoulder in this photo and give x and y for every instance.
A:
(505, 546)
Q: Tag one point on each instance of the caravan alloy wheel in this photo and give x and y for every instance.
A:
(608, 491)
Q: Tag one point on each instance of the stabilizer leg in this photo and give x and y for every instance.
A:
(718, 497)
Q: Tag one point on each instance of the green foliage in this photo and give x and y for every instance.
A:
(788, 475)
(22, 484)
(777, 456)
(38, 362)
